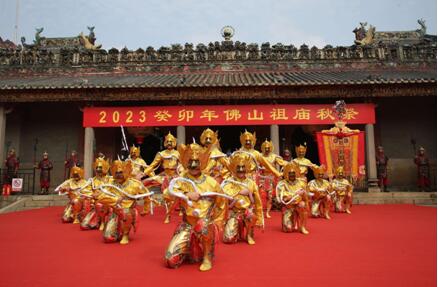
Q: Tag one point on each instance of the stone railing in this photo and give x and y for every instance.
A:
(219, 51)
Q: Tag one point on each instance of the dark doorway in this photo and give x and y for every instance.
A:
(149, 148)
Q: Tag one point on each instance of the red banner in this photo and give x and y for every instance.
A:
(224, 115)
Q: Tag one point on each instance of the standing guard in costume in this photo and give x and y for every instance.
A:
(218, 163)
(45, 166)
(382, 168)
(343, 192)
(71, 162)
(268, 181)
(287, 156)
(245, 210)
(321, 191)
(203, 207)
(95, 213)
(292, 194)
(74, 188)
(423, 170)
(169, 159)
(12, 163)
(120, 195)
(303, 162)
(139, 167)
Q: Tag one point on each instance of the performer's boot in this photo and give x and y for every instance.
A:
(250, 236)
(326, 213)
(125, 239)
(146, 207)
(268, 207)
(207, 246)
(100, 210)
(77, 207)
(348, 201)
(326, 207)
(127, 221)
(303, 221)
(168, 206)
(167, 218)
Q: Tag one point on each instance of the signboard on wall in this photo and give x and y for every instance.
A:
(17, 184)
(223, 115)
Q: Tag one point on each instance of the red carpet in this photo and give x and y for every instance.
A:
(383, 245)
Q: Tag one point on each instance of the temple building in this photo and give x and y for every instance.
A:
(63, 94)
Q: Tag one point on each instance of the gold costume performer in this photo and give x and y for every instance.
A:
(119, 196)
(96, 212)
(218, 163)
(139, 170)
(76, 187)
(137, 163)
(320, 190)
(267, 180)
(203, 205)
(169, 160)
(292, 194)
(343, 192)
(248, 141)
(245, 210)
(303, 162)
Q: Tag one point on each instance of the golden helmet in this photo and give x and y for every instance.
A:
(248, 136)
(208, 133)
(301, 149)
(169, 138)
(239, 158)
(193, 152)
(267, 144)
(291, 167)
(103, 163)
(77, 170)
(135, 150)
(121, 166)
(339, 169)
(318, 169)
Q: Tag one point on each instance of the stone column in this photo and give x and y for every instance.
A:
(371, 159)
(275, 138)
(180, 134)
(2, 134)
(88, 152)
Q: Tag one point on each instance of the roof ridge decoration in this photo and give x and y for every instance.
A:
(81, 51)
(369, 36)
(57, 43)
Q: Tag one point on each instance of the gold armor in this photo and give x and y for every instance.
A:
(248, 141)
(203, 212)
(267, 181)
(75, 188)
(169, 160)
(120, 194)
(343, 192)
(320, 189)
(217, 166)
(95, 213)
(138, 164)
(292, 194)
(245, 210)
(302, 162)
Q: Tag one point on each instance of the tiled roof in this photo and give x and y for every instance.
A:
(215, 79)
